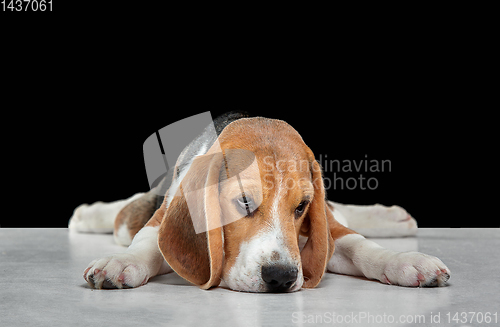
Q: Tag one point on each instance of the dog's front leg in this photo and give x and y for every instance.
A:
(355, 255)
(141, 261)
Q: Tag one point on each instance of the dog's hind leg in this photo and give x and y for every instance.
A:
(377, 220)
(98, 217)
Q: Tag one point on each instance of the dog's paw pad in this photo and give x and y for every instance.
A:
(415, 269)
(118, 271)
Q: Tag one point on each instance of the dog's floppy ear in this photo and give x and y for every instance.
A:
(195, 257)
(319, 247)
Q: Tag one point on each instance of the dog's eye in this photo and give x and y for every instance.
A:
(300, 209)
(245, 204)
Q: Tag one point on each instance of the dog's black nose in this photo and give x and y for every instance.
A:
(279, 278)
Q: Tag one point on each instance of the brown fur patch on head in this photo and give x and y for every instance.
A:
(287, 178)
(287, 181)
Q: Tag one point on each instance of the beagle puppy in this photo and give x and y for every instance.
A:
(249, 209)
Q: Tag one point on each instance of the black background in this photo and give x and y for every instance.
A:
(81, 93)
(97, 156)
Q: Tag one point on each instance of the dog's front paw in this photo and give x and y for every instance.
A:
(118, 271)
(415, 269)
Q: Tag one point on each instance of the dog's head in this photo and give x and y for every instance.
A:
(254, 193)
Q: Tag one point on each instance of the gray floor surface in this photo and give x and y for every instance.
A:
(41, 284)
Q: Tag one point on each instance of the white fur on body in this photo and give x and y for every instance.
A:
(98, 217)
(376, 220)
(354, 255)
